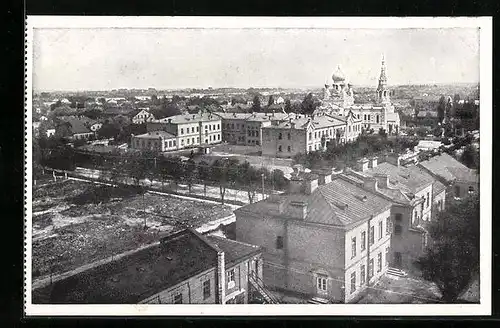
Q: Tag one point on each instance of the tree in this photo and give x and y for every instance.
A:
(441, 109)
(204, 174)
(288, 106)
(270, 101)
(225, 171)
(248, 178)
(309, 104)
(256, 104)
(453, 256)
(190, 173)
(470, 157)
(421, 132)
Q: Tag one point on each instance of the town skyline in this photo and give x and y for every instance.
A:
(270, 58)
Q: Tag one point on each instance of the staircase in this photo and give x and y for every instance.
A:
(259, 286)
(396, 272)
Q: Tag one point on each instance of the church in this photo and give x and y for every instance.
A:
(338, 99)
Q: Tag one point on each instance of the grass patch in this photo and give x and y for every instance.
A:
(97, 194)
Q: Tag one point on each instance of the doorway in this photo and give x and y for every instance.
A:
(398, 260)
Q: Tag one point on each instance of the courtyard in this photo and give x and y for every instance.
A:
(76, 223)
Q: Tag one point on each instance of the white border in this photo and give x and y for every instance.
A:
(486, 53)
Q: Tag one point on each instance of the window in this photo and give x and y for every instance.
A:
(387, 256)
(397, 229)
(363, 240)
(310, 135)
(280, 148)
(192, 129)
(206, 127)
(187, 141)
(428, 200)
(471, 189)
(380, 229)
(372, 235)
(218, 126)
(457, 191)
(321, 284)
(182, 131)
(182, 142)
(280, 136)
(177, 298)
(349, 128)
(363, 274)
(353, 247)
(379, 262)
(230, 278)
(315, 135)
(289, 149)
(175, 143)
(206, 289)
(197, 129)
(370, 269)
(192, 140)
(288, 136)
(387, 226)
(353, 282)
(279, 242)
(378, 118)
(198, 139)
(218, 137)
(424, 240)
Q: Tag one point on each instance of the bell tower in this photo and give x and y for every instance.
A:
(383, 92)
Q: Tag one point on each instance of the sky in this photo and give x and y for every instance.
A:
(168, 58)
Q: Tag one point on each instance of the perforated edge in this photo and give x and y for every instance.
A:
(27, 144)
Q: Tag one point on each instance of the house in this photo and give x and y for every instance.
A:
(190, 130)
(154, 140)
(303, 133)
(459, 178)
(141, 116)
(326, 237)
(246, 128)
(411, 192)
(426, 145)
(184, 268)
(73, 128)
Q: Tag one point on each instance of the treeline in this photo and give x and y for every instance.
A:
(136, 167)
(341, 155)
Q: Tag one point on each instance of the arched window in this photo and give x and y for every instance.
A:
(471, 189)
(280, 136)
(280, 148)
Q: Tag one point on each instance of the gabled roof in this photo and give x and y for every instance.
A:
(338, 203)
(449, 169)
(234, 251)
(409, 179)
(76, 125)
(156, 135)
(137, 276)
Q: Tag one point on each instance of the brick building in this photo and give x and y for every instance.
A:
(184, 268)
(322, 238)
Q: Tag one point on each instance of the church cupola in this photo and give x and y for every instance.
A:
(383, 91)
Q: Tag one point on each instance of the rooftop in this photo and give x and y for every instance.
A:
(155, 135)
(338, 203)
(303, 122)
(408, 179)
(193, 118)
(449, 169)
(137, 276)
(234, 251)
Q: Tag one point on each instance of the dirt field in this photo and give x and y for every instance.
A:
(75, 223)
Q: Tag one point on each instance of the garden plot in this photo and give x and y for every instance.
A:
(76, 223)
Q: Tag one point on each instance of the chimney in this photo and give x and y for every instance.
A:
(325, 175)
(310, 183)
(370, 183)
(373, 162)
(297, 210)
(382, 180)
(169, 120)
(221, 277)
(362, 165)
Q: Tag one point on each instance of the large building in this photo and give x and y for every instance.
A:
(339, 98)
(459, 178)
(323, 238)
(184, 268)
(182, 131)
(304, 133)
(414, 195)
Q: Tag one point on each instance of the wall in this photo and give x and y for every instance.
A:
(191, 289)
(464, 188)
(382, 243)
(240, 279)
(271, 142)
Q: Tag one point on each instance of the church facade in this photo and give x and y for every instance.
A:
(338, 99)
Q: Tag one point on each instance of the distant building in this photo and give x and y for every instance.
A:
(155, 140)
(322, 238)
(459, 178)
(142, 115)
(303, 133)
(184, 268)
(190, 130)
(73, 128)
(413, 197)
(338, 99)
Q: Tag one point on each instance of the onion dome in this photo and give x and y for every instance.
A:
(338, 75)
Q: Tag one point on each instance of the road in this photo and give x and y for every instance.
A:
(196, 189)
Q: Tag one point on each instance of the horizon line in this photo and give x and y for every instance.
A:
(249, 87)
